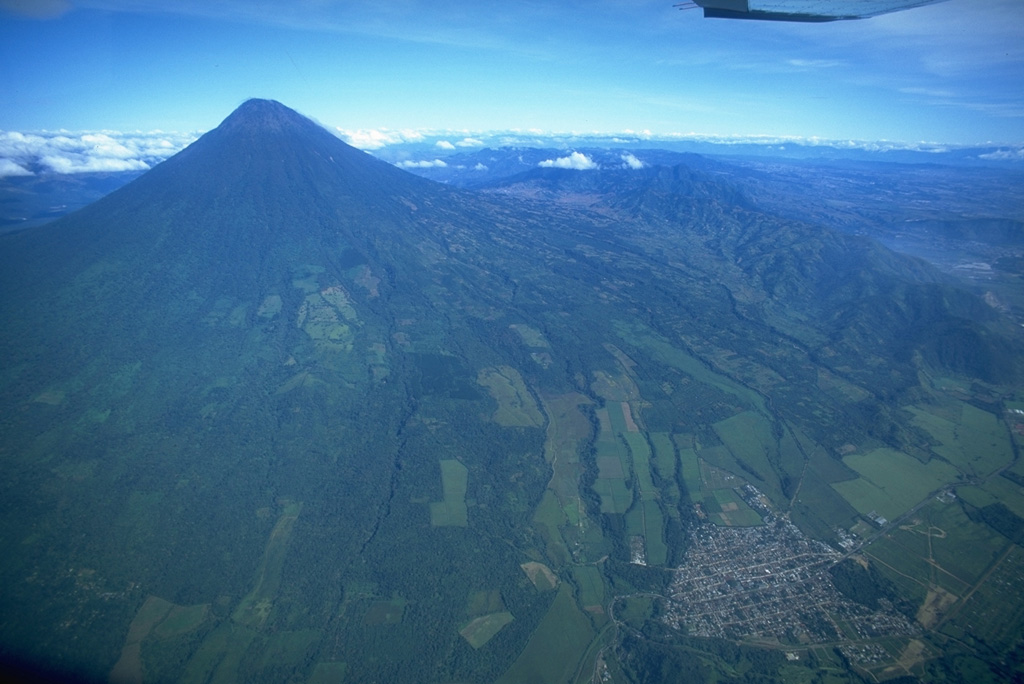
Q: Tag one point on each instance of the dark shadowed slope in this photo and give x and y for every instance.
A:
(266, 179)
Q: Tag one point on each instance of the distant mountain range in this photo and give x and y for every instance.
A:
(277, 410)
(45, 175)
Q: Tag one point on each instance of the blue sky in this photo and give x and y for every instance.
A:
(949, 73)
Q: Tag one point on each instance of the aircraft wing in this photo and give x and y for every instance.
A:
(801, 10)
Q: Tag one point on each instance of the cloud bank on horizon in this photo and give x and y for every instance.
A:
(425, 164)
(64, 152)
(952, 72)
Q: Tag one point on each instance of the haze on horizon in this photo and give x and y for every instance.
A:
(949, 73)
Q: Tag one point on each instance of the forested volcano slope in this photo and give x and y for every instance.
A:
(277, 409)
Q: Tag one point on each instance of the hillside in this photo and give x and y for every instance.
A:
(277, 410)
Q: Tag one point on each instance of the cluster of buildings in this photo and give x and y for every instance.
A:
(770, 583)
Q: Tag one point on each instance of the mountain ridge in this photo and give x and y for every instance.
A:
(850, 283)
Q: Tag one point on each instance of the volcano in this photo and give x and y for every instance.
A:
(277, 410)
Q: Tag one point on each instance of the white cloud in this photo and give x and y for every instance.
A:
(436, 164)
(59, 164)
(565, 142)
(631, 162)
(576, 160)
(12, 168)
(89, 151)
(376, 138)
(102, 145)
(470, 142)
(444, 145)
(1005, 155)
(480, 167)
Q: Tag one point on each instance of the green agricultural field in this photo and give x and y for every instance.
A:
(253, 610)
(616, 463)
(612, 461)
(288, 648)
(908, 571)
(270, 306)
(1018, 466)
(993, 615)
(328, 672)
(829, 469)
(664, 351)
(641, 457)
(608, 446)
(129, 666)
(591, 586)
(516, 406)
(726, 507)
(748, 437)
(996, 489)
(615, 496)
(219, 657)
(568, 430)
(616, 417)
(531, 336)
(318, 317)
(747, 434)
(182, 620)
(451, 510)
(977, 442)
(664, 455)
(550, 517)
(482, 629)
(237, 318)
(891, 482)
(941, 546)
(904, 558)
(610, 468)
(977, 496)
(690, 467)
(791, 456)
(819, 508)
(556, 647)
(541, 576)
(654, 531)
(715, 477)
(224, 650)
(614, 388)
(835, 386)
(959, 545)
(635, 521)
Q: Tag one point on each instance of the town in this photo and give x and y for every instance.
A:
(770, 584)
